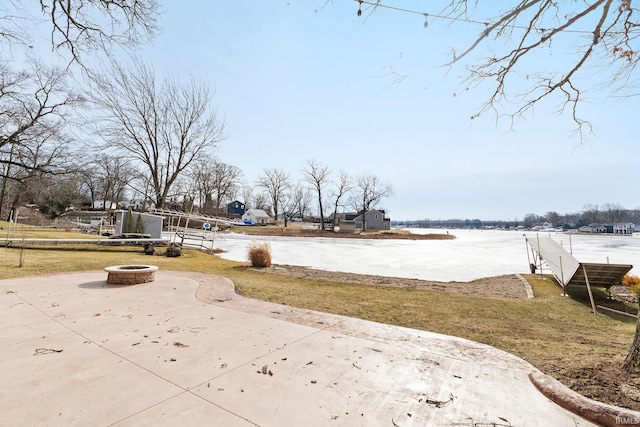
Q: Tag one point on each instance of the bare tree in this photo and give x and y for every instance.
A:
(614, 213)
(368, 192)
(275, 182)
(342, 186)
(215, 181)
(201, 177)
(603, 32)
(162, 126)
(53, 194)
(261, 201)
(35, 106)
(553, 218)
(294, 202)
(591, 213)
(140, 189)
(82, 26)
(317, 176)
(225, 179)
(303, 202)
(634, 215)
(530, 220)
(247, 197)
(517, 39)
(106, 178)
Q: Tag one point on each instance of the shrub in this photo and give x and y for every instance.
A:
(633, 283)
(173, 250)
(260, 254)
(629, 280)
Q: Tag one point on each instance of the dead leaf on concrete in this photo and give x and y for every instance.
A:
(440, 403)
(40, 351)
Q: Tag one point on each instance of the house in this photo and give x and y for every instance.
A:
(256, 216)
(617, 228)
(624, 228)
(236, 208)
(374, 220)
(593, 228)
(88, 218)
(104, 204)
(339, 217)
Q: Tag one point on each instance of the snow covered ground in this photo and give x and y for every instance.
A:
(473, 254)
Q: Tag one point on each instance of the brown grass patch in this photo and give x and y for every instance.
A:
(297, 231)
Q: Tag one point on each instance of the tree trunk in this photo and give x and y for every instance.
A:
(3, 191)
(631, 363)
(321, 212)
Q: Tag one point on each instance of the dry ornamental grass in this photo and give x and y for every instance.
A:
(259, 254)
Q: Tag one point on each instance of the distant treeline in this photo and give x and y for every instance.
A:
(455, 223)
(609, 213)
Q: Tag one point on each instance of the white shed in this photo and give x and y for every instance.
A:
(256, 216)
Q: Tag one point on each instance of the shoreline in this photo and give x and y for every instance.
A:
(299, 231)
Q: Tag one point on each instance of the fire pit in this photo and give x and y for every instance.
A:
(130, 274)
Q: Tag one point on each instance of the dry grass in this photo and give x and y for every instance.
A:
(296, 230)
(21, 231)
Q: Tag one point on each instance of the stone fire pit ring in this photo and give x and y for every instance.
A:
(130, 274)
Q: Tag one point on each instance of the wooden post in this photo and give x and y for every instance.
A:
(570, 245)
(539, 255)
(586, 278)
(186, 225)
(24, 236)
(564, 289)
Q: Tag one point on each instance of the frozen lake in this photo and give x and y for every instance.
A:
(473, 254)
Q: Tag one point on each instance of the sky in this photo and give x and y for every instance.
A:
(310, 80)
